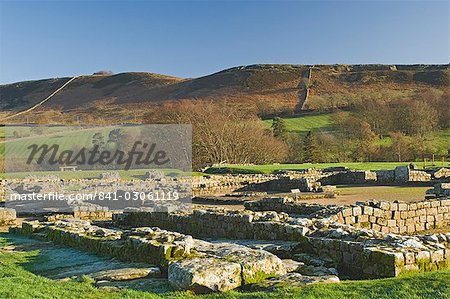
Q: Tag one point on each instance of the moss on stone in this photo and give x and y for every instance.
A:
(256, 276)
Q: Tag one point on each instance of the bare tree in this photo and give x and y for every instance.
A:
(225, 134)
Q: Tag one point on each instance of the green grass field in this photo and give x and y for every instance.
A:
(17, 282)
(65, 137)
(324, 123)
(304, 124)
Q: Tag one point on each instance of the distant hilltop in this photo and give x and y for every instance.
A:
(261, 86)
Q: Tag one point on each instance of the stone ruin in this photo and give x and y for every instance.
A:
(272, 242)
(439, 190)
(316, 180)
(7, 217)
(188, 263)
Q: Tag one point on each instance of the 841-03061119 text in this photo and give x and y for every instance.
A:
(157, 195)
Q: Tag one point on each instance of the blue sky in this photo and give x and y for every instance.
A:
(195, 38)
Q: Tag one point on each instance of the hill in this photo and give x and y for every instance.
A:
(269, 89)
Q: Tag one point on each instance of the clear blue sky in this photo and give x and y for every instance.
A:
(195, 38)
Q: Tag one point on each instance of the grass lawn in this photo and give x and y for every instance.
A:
(324, 123)
(352, 194)
(304, 124)
(16, 282)
(273, 167)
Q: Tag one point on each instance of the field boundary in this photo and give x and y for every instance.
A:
(41, 102)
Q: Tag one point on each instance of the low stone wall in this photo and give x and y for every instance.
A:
(383, 216)
(286, 205)
(282, 182)
(218, 184)
(356, 252)
(441, 173)
(405, 174)
(92, 212)
(397, 217)
(7, 216)
(310, 179)
(350, 177)
(220, 224)
(375, 259)
(439, 190)
(188, 263)
(80, 234)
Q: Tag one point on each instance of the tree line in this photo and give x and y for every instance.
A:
(373, 130)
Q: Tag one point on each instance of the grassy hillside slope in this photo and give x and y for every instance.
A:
(266, 88)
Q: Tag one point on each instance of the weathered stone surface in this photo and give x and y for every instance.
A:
(205, 275)
(256, 264)
(292, 266)
(7, 216)
(127, 274)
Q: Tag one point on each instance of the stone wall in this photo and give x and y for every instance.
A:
(311, 179)
(378, 259)
(286, 205)
(188, 263)
(7, 216)
(439, 190)
(217, 184)
(441, 173)
(350, 177)
(355, 251)
(397, 217)
(405, 174)
(384, 216)
(92, 212)
(219, 224)
(221, 184)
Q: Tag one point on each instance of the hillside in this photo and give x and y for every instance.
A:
(266, 88)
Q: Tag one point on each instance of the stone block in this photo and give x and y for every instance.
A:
(437, 256)
(420, 227)
(377, 212)
(402, 207)
(411, 214)
(367, 210)
(350, 220)
(422, 257)
(432, 211)
(356, 211)
(391, 223)
(394, 206)
(376, 227)
(204, 275)
(385, 206)
(409, 258)
(347, 212)
(435, 204)
(382, 222)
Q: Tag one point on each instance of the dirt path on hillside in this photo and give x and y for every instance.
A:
(41, 102)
